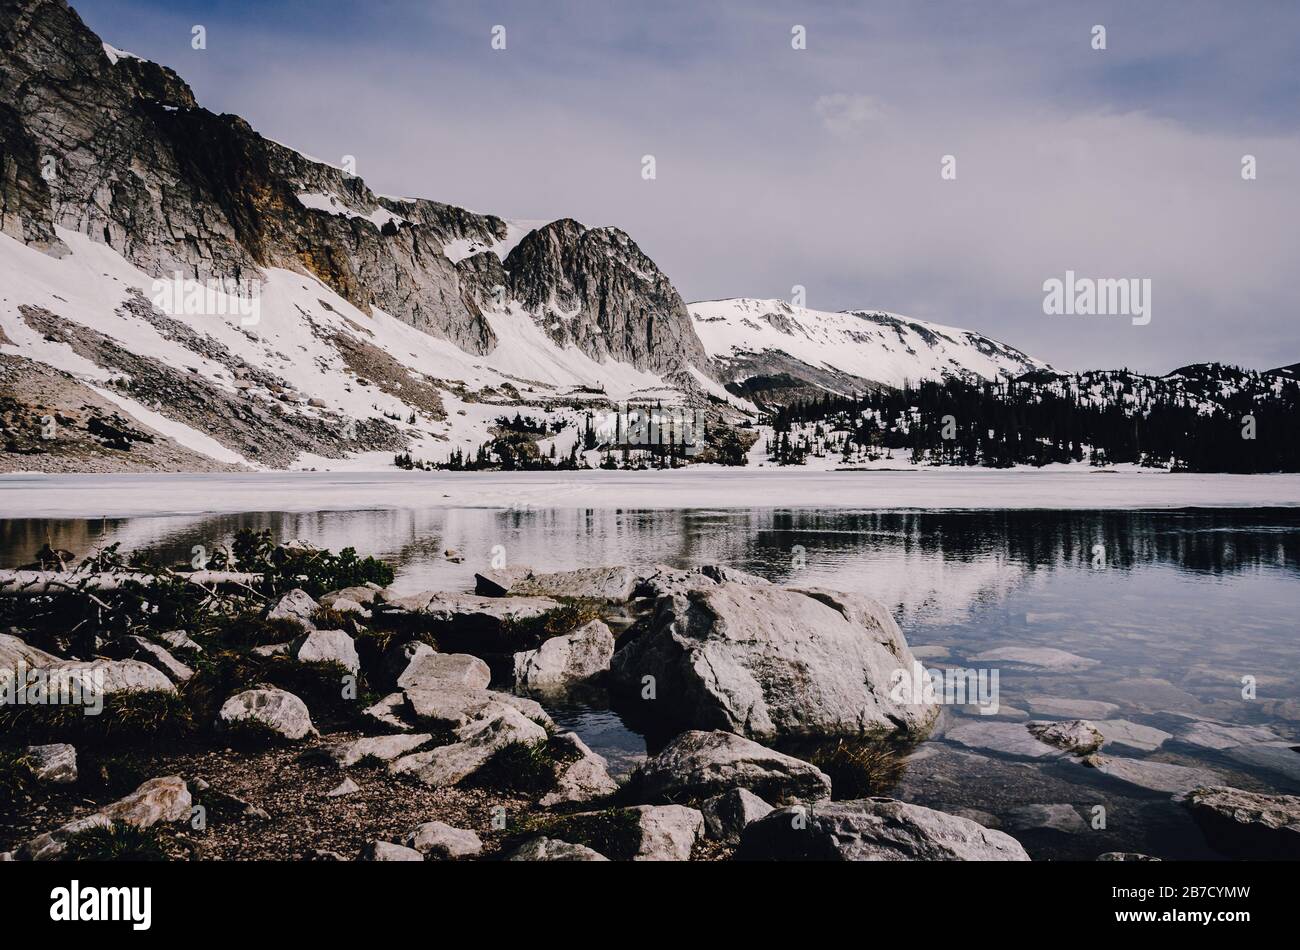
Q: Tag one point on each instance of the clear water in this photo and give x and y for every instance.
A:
(1174, 610)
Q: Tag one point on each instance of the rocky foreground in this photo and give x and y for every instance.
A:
(359, 724)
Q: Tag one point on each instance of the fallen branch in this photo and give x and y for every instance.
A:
(41, 583)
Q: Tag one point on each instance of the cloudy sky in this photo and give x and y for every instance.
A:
(821, 167)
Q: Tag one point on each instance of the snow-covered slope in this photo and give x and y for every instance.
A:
(845, 351)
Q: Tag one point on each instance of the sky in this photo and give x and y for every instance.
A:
(820, 167)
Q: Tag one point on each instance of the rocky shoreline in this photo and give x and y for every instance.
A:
(348, 722)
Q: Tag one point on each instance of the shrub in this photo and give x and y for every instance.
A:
(130, 716)
(16, 776)
(115, 842)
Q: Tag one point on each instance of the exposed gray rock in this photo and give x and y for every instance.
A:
(469, 611)
(583, 777)
(766, 662)
(1133, 735)
(15, 654)
(727, 815)
(458, 706)
(437, 671)
(664, 581)
(611, 584)
(275, 709)
(498, 582)
(1075, 736)
(1248, 825)
(398, 658)
(668, 832)
(138, 648)
(55, 763)
(327, 646)
(698, 765)
(873, 829)
(157, 800)
(477, 741)
(363, 596)
(440, 841)
(1006, 738)
(1154, 776)
(112, 676)
(273, 649)
(388, 713)
(387, 851)
(180, 640)
(295, 605)
(563, 662)
(550, 849)
(377, 748)
(343, 789)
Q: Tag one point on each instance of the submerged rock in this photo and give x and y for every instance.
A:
(873, 829)
(1246, 824)
(1045, 658)
(1006, 738)
(1154, 776)
(1132, 734)
(564, 662)
(1076, 736)
(698, 765)
(1059, 817)
(1222, 735)
(1125, 856)
(766, 662)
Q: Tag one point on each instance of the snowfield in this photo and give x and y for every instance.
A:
(117, 496)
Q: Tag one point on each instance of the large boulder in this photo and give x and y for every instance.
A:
(387, 851)
(767, 662)
(563, 662)
(452, 707)
(499, 581)
(327, 646)
(698, 765)
(435, 609)
(1246, 824)
(15, 654)
(157, 800)
(435, 671)
(872, 829)
(298, 606)
(1075, 736)
(397, 658)
(476, 743)
(102, 678)
(276, 710)
(551, 849)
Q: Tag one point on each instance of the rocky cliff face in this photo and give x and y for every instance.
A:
(117, 148)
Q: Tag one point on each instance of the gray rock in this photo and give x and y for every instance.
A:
(343, 789)
(727, 815)
(610, 584)
(387, 851)
(388, 713)
(327, 646)
(1125, 856)
(15, 654)
(1006, 738)
(397, 659)
(583, 777)
(699, 764)
(438, 840)
(873, 829)
(766, 662)
(273, 649)
(436, 671)
(550, 849)
(563, 662)
(1044, 817)
(180, 640)
(498, 583)
(1076, 736)
(55, 763)
(457, 706)
(471, 612)
(668, 832)
(1248, 825)
(275, 709)
(1154, 776)
(364, 595)
(157, 800)
(296, 605)
(378, 748)
(477, 741)
(139, 648)
(108, 677)
(1132, 734)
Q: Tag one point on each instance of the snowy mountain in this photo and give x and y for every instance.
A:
(769, 349)
(178, 292)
